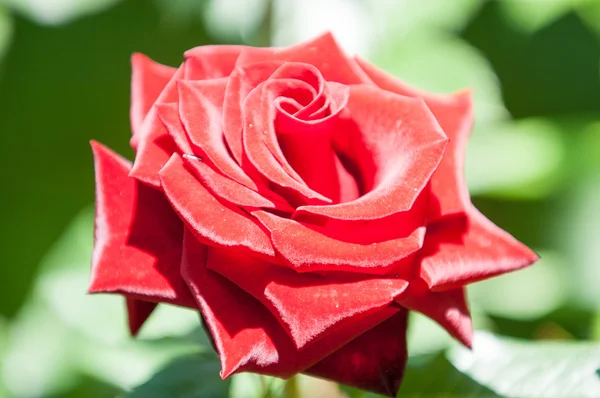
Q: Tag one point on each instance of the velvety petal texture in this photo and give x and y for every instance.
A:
(302, 201)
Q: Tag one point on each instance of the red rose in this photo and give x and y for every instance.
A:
(302, 201)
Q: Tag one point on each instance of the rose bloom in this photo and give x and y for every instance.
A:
(302, 201)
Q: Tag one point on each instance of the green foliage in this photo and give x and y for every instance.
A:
(186, 377)
(515, 368)
(532, 167)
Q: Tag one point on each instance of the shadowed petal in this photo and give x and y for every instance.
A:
(374, 361)
(309, 306)
(448, 308)
(246, 335)
(137, 243)
(138, 312)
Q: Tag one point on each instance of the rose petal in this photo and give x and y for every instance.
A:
(246, 334)
(154, 145)
(307, 144)
(308, 306)
(374, 361)
(231, 191)
(448, 308)
(138, 312)
(394, 143)
(241, 82)
(483, 249)
(211, 62)
(461, 250)
(307, 250)
(323, 52)
(148, 79)
(455, 115)
(200, 109)
(169, 116)
(259, 114)
(221, 186)
(211, 221)
(137, 243)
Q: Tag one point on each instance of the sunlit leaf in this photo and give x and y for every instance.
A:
(516, 368)
(435, 377)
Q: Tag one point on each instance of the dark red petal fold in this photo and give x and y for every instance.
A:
(448, 308)
(307, 250)
(460, 250)
(308, 306)
(395, 144)
(259, 115)
(148, 79)
(137, 237)
(374, 361)
(213, 222)
(138, 312)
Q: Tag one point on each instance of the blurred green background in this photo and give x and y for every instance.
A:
(533, 167)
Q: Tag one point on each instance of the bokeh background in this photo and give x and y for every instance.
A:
(533, 166)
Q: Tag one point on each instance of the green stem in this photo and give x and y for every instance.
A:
(290, 389)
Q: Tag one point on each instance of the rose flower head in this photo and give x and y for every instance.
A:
(302, 201)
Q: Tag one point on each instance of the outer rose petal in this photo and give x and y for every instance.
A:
(448, 308)
(483, 250)
(374, 361)
(138, 312)
(246, 335)
(211, 221)
(455, 115)
(137, 237)
(211, 62)
(396, 145)
(461, 250)
(154, 145)
(148, 79)
(307, 250)
(322, 52)
(309, 306)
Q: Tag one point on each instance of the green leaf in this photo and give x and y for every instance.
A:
(435, 377)
(515, 368)
(195, 376)
(534, 15)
